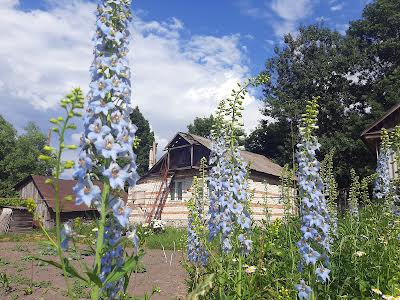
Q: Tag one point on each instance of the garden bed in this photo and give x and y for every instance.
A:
(162, 270)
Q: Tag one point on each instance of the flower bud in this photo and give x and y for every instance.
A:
(68, 198)
(44, 157)
(48, 148)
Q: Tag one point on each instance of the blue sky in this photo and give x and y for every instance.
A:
(185, 55)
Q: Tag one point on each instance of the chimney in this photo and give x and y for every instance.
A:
(153, 155)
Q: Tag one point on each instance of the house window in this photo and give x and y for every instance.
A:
(176, 191)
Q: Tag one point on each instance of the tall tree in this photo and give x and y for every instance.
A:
(146, 139)
(22, 158)
(8, 137)
(377, 38)
(201, 126)
(317, 62)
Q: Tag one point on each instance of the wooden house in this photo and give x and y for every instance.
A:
(372, 135)
(34, 187)
(163, 191)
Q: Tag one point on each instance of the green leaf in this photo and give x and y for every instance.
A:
(202, 288)
(51, 262)
(118, 273)
(71, 270)
(94, 278)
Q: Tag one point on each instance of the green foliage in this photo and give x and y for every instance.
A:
(145, 137)
(330, 185)
(288, 191)
(18, 156)
(172, 238)
(320, 61)
(365, 255)
(13, 202)
(201, 126)
(354, 192)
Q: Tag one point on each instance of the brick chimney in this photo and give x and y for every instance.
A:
(153, 155)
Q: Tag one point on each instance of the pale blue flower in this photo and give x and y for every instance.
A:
(304, 291)
(121, 212)
(116, 176)
(86, 192)
(322, 273)
(66, 234)
(108, 147)
(98, 130)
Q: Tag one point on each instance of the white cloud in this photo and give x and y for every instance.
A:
(282, 15)
(292, 10)
(44, 54)
(337, 7)
(342, 28)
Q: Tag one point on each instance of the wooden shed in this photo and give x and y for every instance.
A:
(163, 191)
(34, 187)
(371, 136)
(19, 220)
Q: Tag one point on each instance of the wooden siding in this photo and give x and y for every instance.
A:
(21, 219)
(29, 190)
(141, 198)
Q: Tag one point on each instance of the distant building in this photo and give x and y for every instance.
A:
(34, 187)
(163, 191)
(372, 135)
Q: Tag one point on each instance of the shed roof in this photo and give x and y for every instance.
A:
(47, 192)
(258, 162)
(371, 135)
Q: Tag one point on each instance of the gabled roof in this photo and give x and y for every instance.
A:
(47, 193)
(371, 135)
(376, 125)
(258, 163)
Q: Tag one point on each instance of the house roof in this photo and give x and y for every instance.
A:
(47, 193)
(257, 162)
(371, 135)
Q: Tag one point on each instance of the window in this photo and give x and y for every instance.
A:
(176, 191)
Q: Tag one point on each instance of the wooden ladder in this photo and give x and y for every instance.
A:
(162, 194)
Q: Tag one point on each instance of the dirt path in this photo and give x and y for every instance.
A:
(48, 283)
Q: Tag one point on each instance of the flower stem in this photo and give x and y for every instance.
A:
(100, 236)
(57, 192)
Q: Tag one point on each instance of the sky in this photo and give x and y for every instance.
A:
(185, 56)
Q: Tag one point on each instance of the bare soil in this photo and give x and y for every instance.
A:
(163, 270)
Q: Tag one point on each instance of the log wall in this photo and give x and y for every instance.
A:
(265, 190)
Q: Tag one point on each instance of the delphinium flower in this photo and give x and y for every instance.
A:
(314, 245)
(228, 211)
(330, 189)
(106, 145)
(354, 193)
(382, 186)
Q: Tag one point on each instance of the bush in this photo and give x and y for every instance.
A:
(365, 256)
(13, 202)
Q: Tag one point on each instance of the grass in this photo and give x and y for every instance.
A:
(170, 239)
(32, 236)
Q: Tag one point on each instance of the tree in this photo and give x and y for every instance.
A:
(201, 126)
(377, 37)
(315, 63)
(21, 159)
(146, 140)
(8, 137)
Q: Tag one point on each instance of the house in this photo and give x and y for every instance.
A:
(372, 135)
(34, 187)
(163, 191)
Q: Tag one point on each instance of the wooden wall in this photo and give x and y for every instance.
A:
(21, 219)
(29, 190)
(142, 196)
